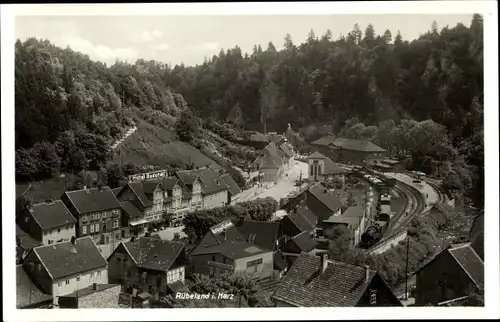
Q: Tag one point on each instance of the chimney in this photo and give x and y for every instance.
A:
(367, 273)
(324, 262)
(95, 287)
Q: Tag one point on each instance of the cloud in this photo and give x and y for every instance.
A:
(100, 52)
(150, 35)
(162, 47)
(204, 46)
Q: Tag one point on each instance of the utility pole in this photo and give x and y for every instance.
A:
(406, 270)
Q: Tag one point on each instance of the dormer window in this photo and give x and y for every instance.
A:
(26, 219)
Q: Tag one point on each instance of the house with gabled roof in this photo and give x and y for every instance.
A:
(269, 163)
(322, 168)
(177, 199)
(48, 222)
(207, 188)
(347, 150)
(454, 273)
(298, 220)
(152, 265)
(64, 268)
(24, 244)
(315, 281)
(234, 190)
(224, 249)
(98, 213)
(147, 196)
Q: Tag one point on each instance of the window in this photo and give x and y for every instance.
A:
(98, 273)
(59, 284)
(311, 171)
(84, 230)
(91, 274)
(97, 216)
(59, 230)
(213, 258)
(91, 216)
(254, 262)
(96, 228)
(49, 241)
(67, 282)
(39, 267)
(84, 218)
(103, 215)
(211, 270)
(78, 278)
(373, 297)
(91, 228)
(115, 223)
(119, 260)
(26, 219)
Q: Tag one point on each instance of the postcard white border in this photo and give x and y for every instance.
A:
(487, 8)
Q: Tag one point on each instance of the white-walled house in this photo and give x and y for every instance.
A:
(64, 268)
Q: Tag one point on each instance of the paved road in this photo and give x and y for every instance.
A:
(286, 184)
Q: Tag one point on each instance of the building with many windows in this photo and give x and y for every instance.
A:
(64, 268)
(98, 214)
(47, 223)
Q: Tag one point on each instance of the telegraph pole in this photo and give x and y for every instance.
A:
(406, 270)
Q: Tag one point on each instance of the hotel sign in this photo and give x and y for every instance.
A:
(217, 229)
(148, 175)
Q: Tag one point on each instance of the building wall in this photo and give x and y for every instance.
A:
(55, 235)
(70, 284)
(201, 262)
(262, 271)
(27, 223)
(383, 296)
(269, 174)
(215, 200)
(105, 299)
(196, 197)
(326, 151)
(38, 272)
(101, 225)
(441, 280)
(357, 157)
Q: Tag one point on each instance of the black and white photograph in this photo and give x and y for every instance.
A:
(179, 161)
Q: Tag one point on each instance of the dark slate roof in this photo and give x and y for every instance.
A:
(261, 233)
(356, 145)
(328, 199)
(332, 168)
(169, 183)
(138, 189)
(154, 254)
(91, 200)
(149, 186)
(187, 176)
(233, 187)
(25, 286)
(234, 250)
(303, 210)
(132, 211)
(211, 181)
(470, 262)
(326, 140)
(303, 241)
(52, 215)
(340, 285)
(300, 221)
(27, 242)
(316, 155)
(60, 261)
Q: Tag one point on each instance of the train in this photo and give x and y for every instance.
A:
(376, 231)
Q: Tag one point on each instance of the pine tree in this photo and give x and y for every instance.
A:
(387, 38)
(288, 42)
(434, 28)
(271, 47)
(369, 39)
(399, 39)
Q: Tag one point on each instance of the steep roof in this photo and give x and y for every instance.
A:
(233, 187)
(27, 293)
(300, 221)
(138, 189)
(269, 157)
(325, 141)
(223, 232)
(152, 253)
(470, 262)
(91, 200)
(316, 155)
(233, 250)
(116, 191)
(261, 233)
(285, 147)
(340, 285)
(60, 260)
(356, 145)
(187, 177)
(304, 210)
(211, 181)
(303, 241)
(133, 212)
(332, 168)
(325, 197)
(279, 261)
(169, 183)
(52, 215)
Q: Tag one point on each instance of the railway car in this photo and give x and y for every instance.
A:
(373, 234)
(385, 199)
(385, 213)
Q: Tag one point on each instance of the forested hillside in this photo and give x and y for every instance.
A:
(422, 98)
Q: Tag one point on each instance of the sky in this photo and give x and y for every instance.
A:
(189, 39)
